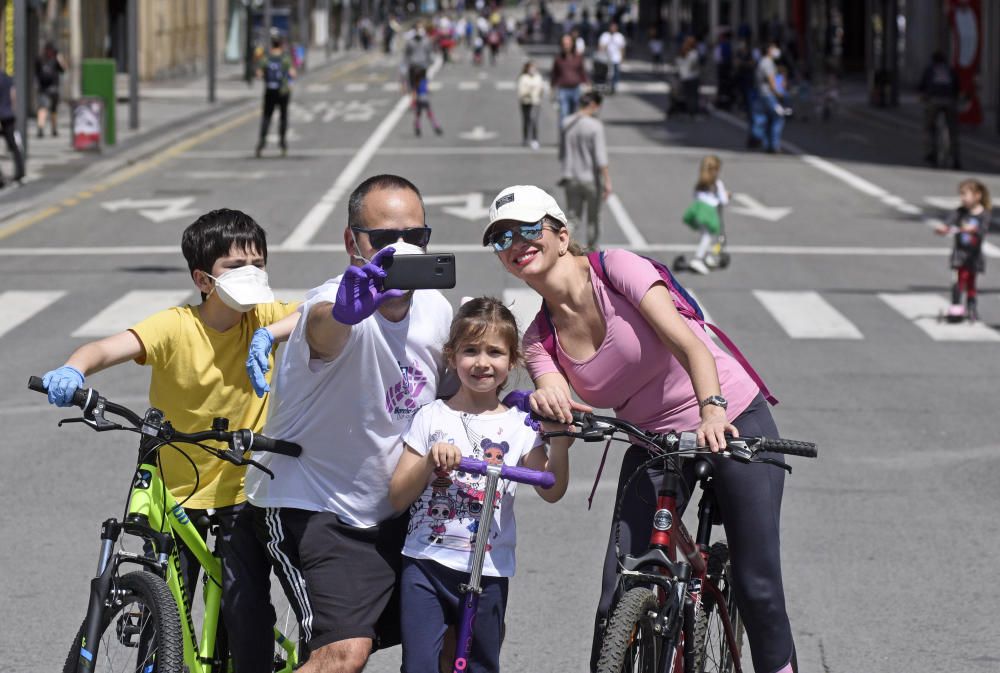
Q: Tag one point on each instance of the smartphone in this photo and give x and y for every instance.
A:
(433, 271)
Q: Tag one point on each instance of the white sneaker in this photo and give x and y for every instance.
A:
(534, 145)
(699, 266)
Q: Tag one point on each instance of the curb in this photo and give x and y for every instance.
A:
(155, 140)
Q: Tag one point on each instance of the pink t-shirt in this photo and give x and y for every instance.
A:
(632, 371)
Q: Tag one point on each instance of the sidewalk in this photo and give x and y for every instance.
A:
(168, 110)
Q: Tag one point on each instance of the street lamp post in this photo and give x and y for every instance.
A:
(211, 51)
(133, 64)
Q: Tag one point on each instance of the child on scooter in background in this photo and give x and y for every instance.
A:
(705, 215)
(968, 225)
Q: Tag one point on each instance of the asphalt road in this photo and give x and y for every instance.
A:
(877, 532)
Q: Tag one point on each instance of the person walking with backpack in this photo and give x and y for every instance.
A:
(616, 330)
(48, 69)
(277, 71)
(584, 156)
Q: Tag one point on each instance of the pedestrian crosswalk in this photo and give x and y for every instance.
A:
(797, 315)
(648, 87)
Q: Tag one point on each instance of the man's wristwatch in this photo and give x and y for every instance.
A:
(715, 400)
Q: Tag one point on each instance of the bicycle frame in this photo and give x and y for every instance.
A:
(686, 579)
(152, 510)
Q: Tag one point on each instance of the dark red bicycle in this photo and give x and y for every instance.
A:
(675, 610)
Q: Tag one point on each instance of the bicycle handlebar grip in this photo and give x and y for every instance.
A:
(789, 447)
(521, 475)
(80, 395)
(280, 446)
(579, 417)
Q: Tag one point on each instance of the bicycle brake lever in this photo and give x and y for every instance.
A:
(98, 423)
(772, 461)
(251, 461)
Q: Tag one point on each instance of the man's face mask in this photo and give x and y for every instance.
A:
(243, 288)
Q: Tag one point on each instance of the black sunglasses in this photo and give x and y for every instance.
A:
(380, 238)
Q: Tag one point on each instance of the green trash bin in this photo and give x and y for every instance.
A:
(97, 77)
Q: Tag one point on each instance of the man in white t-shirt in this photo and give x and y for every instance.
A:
(612, 43)
(357, 367)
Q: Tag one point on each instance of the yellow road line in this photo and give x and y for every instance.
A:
(146, 165)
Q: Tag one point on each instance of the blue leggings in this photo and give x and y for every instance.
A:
(430, 602)
(749, 498)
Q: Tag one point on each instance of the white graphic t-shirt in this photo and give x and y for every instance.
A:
(444, 520)
(348, 414)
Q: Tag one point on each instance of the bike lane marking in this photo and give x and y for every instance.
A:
(318, 215)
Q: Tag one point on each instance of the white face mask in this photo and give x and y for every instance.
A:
(775, 54)
(399, 248)
(243, 288)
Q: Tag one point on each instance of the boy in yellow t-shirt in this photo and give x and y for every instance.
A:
(199, 359)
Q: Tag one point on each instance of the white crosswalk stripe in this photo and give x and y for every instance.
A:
(390, 86)
(925, 310)
(504, 85)
(468, 86)
(806, 315)
(18, 306)
(130, 309)
(356, 87)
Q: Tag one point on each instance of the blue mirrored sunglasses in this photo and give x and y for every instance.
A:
(503, 239)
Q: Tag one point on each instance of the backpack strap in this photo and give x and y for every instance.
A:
(685, 309)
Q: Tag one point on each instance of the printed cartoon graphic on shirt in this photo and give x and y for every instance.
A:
(449, 515)
(401, 398)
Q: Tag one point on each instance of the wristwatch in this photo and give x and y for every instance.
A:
(716, 400)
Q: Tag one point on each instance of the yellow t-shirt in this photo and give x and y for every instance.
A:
(198, 374)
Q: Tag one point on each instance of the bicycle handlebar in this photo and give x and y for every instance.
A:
(90, 401)
(522, 475)
(595, 428)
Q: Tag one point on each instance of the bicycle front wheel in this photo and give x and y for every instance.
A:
(630, 642)
(712, 653)
(141, 631)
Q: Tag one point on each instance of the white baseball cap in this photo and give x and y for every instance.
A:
(523, 203)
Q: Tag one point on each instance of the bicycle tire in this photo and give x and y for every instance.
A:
(629, 643)
(711, 650)
(156, 608)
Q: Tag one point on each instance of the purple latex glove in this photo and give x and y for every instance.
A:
(521, 399)
(359, 294)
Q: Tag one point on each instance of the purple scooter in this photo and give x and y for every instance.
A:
(471, 591)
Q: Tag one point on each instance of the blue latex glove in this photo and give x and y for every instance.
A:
(520, 399)
(61, 384)
(359, 294)
(258, 360)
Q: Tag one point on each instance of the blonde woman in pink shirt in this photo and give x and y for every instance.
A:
(623, 345)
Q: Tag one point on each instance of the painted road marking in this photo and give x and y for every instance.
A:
(468, 86)
(17, 307)
(130, 309)
(506, 86)
(924, 310)
(625, 223)
(356, 87)
(319, 213)
(806, 315)
(524, 303)
(390, 86)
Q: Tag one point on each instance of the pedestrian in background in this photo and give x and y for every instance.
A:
(689, 71)
(8, 125)
(768, 112)
(613, 44)
(705, 214)
(939, 90)
(585, 175)
(567, 76)
(530, 90)
(968, 225)
(48, 69)
(417, 56)
(277, 71)
(421, 102)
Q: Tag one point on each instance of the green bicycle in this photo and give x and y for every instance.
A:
(142, 621)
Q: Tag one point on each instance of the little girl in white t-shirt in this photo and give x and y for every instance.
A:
(445, 504)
